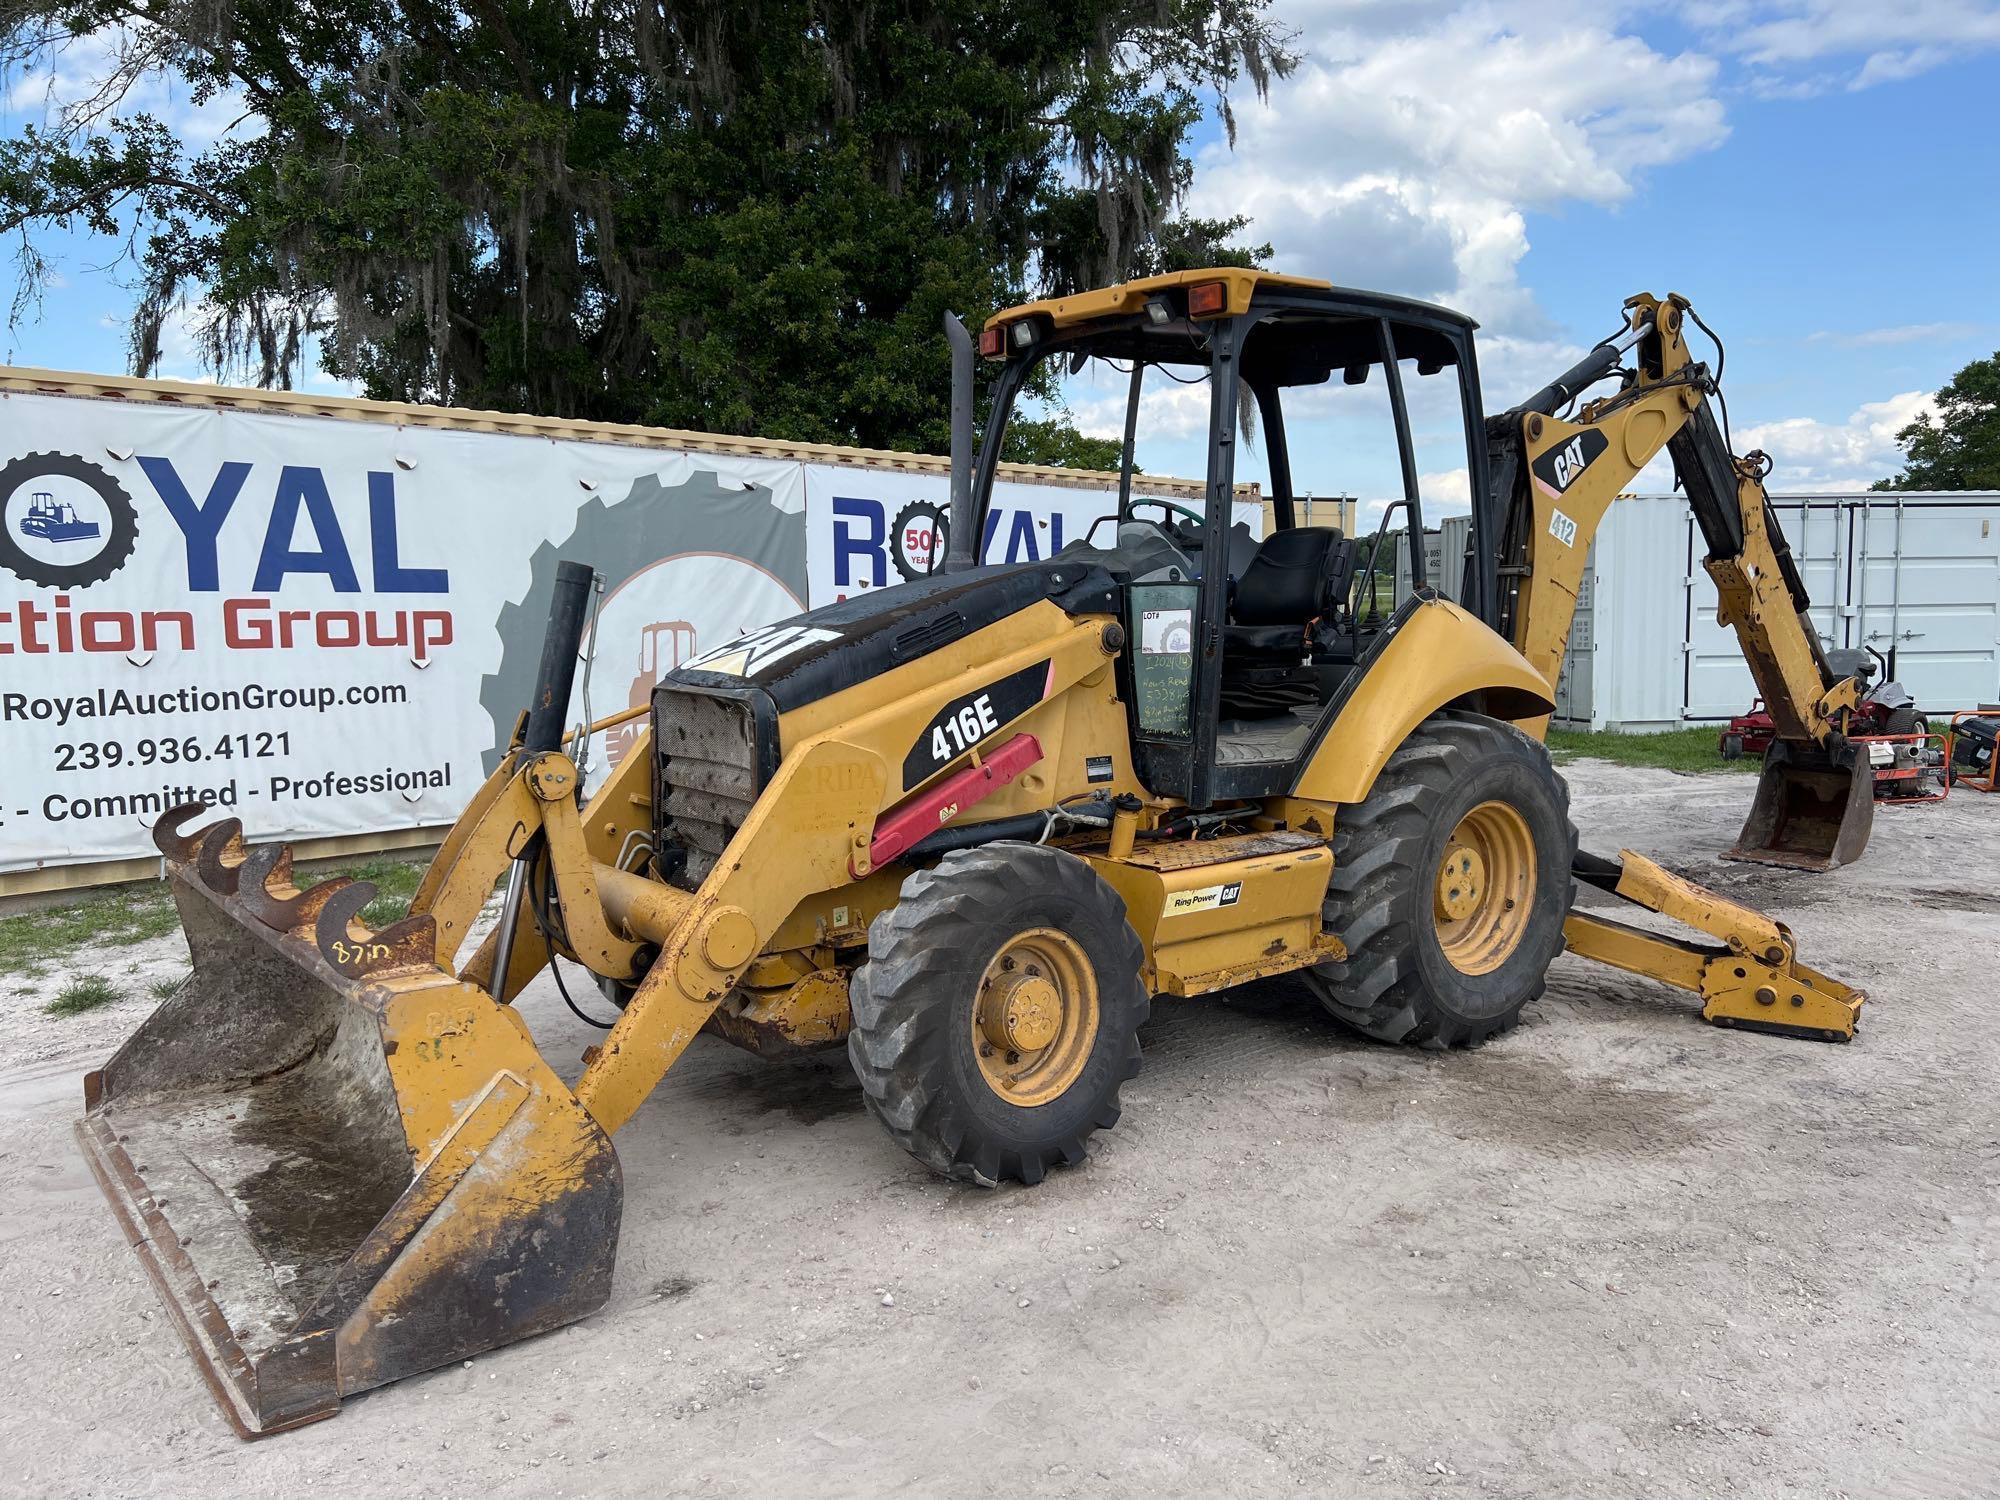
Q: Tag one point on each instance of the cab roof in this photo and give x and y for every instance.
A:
(1241, 284)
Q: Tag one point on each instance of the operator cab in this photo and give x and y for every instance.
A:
(1241, 650)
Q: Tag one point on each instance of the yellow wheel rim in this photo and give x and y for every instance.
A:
(1485, 888)
(1034, 1020)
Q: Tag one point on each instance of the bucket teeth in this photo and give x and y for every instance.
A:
(170, 835)
(264, 889)
(350, 947)
(219, 858)
(261, 866)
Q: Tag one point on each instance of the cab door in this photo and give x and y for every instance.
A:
(1174, 626)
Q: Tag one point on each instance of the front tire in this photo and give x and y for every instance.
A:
(998, 1014)
(1450, 885)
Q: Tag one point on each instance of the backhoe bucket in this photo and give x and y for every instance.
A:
(339, 1164)
(1813, 811)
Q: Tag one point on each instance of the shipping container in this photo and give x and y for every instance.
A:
(1914, 576)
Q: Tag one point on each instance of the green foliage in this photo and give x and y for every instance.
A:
(395, 880)
(1053, 440)
(1696, 748)
(722, 216)
(1956, 446)
(85, 992)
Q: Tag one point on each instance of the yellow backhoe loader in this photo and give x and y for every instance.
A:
(966, 827)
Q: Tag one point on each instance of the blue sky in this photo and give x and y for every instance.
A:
(1818, 175)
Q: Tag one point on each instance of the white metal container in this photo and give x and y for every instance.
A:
(1916, 571)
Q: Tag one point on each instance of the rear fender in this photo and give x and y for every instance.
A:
(1440, 656)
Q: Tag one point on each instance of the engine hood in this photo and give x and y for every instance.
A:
(823, 651)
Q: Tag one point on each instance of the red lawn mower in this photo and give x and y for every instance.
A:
(1909, 759)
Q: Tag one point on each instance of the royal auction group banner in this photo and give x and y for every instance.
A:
(327, 625)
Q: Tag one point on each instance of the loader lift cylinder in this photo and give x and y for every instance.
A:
(550, 705)
(547, 710)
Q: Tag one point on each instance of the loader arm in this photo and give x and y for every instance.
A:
(1555, 480)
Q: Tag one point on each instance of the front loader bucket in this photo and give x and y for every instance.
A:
(1813, 811)
(339, 1164)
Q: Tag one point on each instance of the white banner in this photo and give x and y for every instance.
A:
(326, 626)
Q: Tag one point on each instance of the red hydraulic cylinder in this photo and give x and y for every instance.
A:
(925, 813)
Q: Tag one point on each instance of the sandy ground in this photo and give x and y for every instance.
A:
(1616, 1252)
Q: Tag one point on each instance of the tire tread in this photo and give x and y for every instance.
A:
(918, 955)
(1375, 990)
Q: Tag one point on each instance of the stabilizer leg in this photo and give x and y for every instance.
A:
(1753, 980)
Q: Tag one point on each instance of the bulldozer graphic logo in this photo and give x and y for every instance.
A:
(695, 567)
(68, 524)
(663, 645)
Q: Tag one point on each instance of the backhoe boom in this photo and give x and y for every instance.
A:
(1558, 477)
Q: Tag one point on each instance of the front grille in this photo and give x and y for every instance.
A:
(706, 779)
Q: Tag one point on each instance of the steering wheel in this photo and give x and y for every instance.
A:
(1189, 534)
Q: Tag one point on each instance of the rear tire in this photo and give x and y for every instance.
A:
(1906, 721)
(998, 1014)
(1435, 959)
(1732, 747)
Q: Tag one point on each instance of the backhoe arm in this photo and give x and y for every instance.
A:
(1555, 479)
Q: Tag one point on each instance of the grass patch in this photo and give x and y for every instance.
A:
(163, 989)
(1690, 749)
(32, 940)
(395, 881)
(85, 992)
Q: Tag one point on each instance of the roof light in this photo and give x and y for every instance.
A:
(992, 341)
(1208, 299)
(1022, 334)
(1157, 311)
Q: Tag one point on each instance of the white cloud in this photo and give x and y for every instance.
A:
(1446, 493)
(1415, 139)
(181, 355)
(1902, 333)
(1165, 413)
(102, 76)
(1418, 139)
(1849, 455)
(1408, 149)
(1800, 47)
(317, 380)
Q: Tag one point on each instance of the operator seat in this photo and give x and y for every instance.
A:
(1294, 577)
